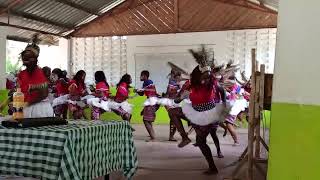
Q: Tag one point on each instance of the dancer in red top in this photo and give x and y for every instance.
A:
(34, 84)
(60, 89)
(202, 112)
(76, 91)
(122, 95)
(150, 105)
(102, 92)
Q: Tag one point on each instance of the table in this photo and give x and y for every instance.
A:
(81, 150)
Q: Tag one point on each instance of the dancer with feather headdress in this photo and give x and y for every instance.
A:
(202, 112)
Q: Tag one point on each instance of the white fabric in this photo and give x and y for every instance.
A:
(60, 100)
(151, 101)
(109, 105)
(204, 118)
(235, 107)
(38, 110)
(168, 102)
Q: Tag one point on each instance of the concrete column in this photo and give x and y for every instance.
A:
(3, 54)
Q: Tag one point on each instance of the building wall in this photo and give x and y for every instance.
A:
(227, 45)
(294, 135)
(2, 57)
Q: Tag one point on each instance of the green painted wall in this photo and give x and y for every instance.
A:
(294, 142)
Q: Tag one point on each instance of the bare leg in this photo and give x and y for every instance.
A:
(150, 130)
(173, 130)
(201, 138)
(176, 115)
(213, 133)
(233, 133)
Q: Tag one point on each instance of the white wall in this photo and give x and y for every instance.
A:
(173, 43)
(297, 62)
(3, 42)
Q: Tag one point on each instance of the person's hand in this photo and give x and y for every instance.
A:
(178, 100)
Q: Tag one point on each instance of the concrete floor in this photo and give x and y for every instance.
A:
(163, 160)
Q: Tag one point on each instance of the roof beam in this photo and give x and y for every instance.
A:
(10, 5)
(249, 5)
(80, 7)
(29, 29)
(37, 18)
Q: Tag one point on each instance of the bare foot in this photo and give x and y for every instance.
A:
(211, 172)
(150, 140)
(184, 143)
(236, 144)
(220, 155)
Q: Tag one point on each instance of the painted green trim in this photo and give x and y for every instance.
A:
(294, 142)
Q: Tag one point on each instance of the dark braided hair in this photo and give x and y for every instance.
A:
(100, 77)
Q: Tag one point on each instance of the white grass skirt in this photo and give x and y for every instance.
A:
(237, 106)
(60, 100)
(168, 102)
(217, 114)
(109, 105)
(38, 110)
(151, 101)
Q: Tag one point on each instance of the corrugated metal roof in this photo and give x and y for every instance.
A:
(59, 17)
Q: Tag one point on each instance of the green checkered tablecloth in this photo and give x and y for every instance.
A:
(80, 150)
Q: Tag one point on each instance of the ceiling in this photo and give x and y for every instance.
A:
(67, 18)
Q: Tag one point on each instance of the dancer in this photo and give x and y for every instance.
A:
(34, 83)
(60, 89)
(101, 91)
(172, 92)
(202, 112)
(124, 108)
(150, 105)
(77, 89)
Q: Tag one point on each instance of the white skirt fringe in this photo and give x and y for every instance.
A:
(109, 105)
(217, 114)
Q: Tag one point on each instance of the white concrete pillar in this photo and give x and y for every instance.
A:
(3, 56)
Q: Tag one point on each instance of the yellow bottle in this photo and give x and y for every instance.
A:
(18, 104)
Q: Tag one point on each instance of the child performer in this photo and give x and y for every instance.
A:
(172, 92)
(77, 89)
(150, 105)
(60, 89)
(124, 108)
(101, 91)
(202, 112)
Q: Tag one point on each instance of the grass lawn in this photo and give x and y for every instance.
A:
(137, 102)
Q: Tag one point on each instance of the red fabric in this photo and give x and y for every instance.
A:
(9, 85)
(103, 87)
(61, 88)
(122, 93)
(25, 79)
(150, 91)
(79, 88)
(201, 95)
(186, 86)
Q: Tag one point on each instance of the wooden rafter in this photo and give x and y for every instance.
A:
(80, 7)
(10, 5)
(248, 4)
(37, 18)
(29, 29)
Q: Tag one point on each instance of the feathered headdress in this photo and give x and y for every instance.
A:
(203, 58)
(33, 46)
(176, 69)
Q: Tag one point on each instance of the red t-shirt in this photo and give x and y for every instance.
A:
(79, 88)
(201, 95)
(61, 88)
(26, 79)
(122, 92)
(102, 87)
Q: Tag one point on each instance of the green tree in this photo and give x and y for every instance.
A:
(11, 67)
